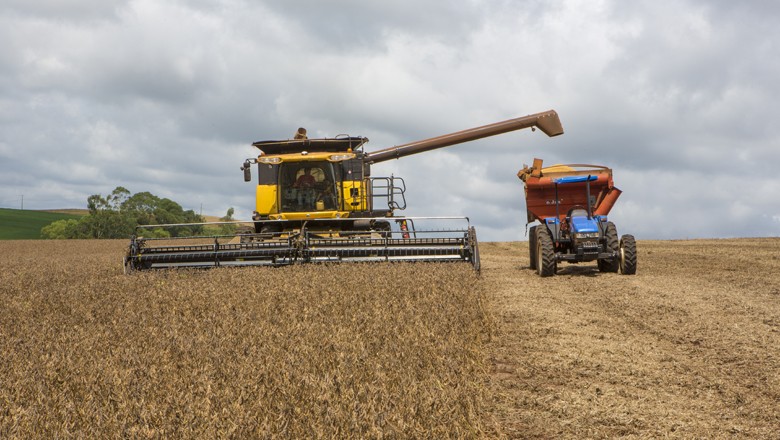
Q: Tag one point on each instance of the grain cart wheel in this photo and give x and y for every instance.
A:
(612, 264)
(627, 255)
(545, 253)
(532, 248)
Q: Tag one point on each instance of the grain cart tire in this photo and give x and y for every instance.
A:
(532, 248)
(612, 264)
(627, 255)
(545, 253)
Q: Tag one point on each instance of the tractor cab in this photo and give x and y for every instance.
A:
(579, 227)
(579, 219)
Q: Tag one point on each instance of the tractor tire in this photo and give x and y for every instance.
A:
(612, 264)
(545, 253)
(532, 248)
(627, 255)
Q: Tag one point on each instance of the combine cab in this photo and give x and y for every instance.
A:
(572, 202)
(316, 201)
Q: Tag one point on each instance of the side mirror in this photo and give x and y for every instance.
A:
(247, 172)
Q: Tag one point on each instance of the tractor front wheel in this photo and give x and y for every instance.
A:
(545, 253)
(627, 255)
(611, 236)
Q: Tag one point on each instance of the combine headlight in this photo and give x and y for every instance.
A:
(582, 235)
(340, 157)
(269, 160)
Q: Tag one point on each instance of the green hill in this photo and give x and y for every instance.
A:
(17, 224)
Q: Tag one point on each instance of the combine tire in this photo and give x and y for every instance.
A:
(474, 249)
(383, 228)
(627, 255)
(612, 264)
(532, 248)
(545, 253)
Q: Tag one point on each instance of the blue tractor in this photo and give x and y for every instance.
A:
(571, 203)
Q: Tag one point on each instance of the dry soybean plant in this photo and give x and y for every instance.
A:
(331, 351)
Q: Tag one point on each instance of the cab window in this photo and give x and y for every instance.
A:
(307, 187)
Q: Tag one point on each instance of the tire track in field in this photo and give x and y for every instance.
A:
(688, 347)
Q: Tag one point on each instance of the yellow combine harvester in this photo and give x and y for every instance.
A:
(316, 201)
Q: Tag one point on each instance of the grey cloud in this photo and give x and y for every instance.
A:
(167, 97)
(65, 10)
(353, 23)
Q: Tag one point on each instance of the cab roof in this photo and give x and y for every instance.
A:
(326, 145)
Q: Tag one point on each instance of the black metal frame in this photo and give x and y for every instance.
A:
(309, 243)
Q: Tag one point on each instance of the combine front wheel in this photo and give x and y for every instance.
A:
(474, 249)
(545, 253)
(627, 255)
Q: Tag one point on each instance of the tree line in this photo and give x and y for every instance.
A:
(116, 215)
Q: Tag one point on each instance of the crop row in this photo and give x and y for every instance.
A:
(347, 351)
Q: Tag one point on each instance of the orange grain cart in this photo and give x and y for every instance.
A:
(540, 190)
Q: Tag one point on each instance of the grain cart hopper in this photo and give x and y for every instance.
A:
(316, 201)
(572, 202)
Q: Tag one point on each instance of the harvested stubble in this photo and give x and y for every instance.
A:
(307, 351)
(687, 348)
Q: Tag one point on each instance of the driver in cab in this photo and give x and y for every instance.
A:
(305, 180)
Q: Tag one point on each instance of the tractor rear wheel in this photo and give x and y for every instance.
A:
(613, 245)
(627, 255)
(532, 248)
(545, 253)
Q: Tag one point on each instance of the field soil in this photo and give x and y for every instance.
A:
(687, 348)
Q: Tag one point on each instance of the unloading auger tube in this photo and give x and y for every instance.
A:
(448, 244)
(548, 122)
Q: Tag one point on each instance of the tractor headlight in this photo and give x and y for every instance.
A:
(583, 235)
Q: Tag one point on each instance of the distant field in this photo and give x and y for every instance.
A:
(17, 224)
(73, 211)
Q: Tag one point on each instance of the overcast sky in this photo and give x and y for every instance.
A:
(680, 98)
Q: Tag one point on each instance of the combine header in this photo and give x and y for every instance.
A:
(316, 201)
(572, 202)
